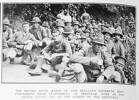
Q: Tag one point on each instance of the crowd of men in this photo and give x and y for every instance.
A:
(70, 50)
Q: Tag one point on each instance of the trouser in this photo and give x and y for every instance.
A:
(79, 72)
(27, 54)
(36, 52)
(75, 68)
(109, 74)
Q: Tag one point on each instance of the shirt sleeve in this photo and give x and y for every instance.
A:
(44, 33)
(107, 59)
(109, 68)
(68, 47)
(122, 50)
(79, 58)
(49, 48)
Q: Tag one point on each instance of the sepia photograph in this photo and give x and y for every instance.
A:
(68, 43)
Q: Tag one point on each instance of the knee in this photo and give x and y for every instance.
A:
(117, 76)
(77, 68)
(12, 53)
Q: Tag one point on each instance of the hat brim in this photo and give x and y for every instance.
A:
(67, 33)
(106, 32)
(82, 38)
(117, 57)
(117, 34)
(35, 22)
(105, 26)
(96, 42)
(77, 24)
(8, 24)
(61, 26)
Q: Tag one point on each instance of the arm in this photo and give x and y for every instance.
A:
(68, 48)
(109, 68)
(79, 58)
(122, 50)
(44, 34)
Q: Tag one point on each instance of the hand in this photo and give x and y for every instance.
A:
(58, 78)
(94, 60)
(28, 41)
(54, 55)
(39, 43)
(100, 79)
(65, 59)
(43, 52)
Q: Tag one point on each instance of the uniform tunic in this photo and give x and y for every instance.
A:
(84, 57)
(119, 49)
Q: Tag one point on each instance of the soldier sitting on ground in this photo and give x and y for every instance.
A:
(21, 43)
(58, 47)
(96, 61)
(6, 36)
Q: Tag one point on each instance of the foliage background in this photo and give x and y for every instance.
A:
(17, 13)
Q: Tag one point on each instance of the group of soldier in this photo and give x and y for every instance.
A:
(67, 49)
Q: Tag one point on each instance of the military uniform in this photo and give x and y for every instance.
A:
(47, 29)
(22, 42)
(40, 35)
(85, 17)
(96, 63)
(84, 56)
(62, 47)
(118, 45)
(6, 36)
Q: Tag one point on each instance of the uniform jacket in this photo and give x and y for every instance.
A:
(119, 49)
(39, 33)
(6, 36)
(84, 57)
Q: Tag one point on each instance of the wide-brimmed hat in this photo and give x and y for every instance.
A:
(95, 27)
(105, 25)
(83, 36)
(118, 32)
(120, 59)
(85, 14)
(36, 20)
(77, 23)
(45, 24)
(106, 30)
(98, 40)
(87, 31)
(68, 30)
(60, 23)
(6, 22)
(83, 25)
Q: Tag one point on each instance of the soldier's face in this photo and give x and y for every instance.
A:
(57, 37)
(76, 27)
(26, 27)
(107, 36)
(60, 29)
(36, 25)
(65, 12)
(78, 35)
(5, 27)
(87, 34)
(97, 47)
(83, 28)
(117, 37)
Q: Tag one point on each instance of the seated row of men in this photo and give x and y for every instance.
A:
(99, 58)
